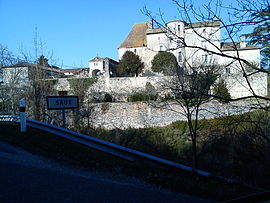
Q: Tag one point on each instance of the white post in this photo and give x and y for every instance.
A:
(22, 115)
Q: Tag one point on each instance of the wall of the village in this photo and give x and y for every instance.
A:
(142, 114)
(120, 88)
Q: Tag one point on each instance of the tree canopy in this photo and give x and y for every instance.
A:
(42, 61)
(164, 62)
(261, 34)
(130, 65)
(221, 92)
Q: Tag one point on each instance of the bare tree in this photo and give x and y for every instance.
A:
(190, 92)
(241, 15)
(80, 88)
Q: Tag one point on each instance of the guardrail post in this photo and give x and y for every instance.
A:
(22, 115)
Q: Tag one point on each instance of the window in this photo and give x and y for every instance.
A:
(180, 57)
(95, 64)
(179, 43)
(204, 44)
(179, 28)
(161, 48)
(227, 70)
(205, 58)
(135, 51)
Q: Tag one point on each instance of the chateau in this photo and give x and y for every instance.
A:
(192, 44)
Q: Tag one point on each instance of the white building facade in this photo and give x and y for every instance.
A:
(195, 44)
(102, 66)
(192, 44)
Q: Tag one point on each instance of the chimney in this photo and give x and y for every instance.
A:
(150, 24)
(243, 42)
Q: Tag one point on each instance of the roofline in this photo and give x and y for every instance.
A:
(241, 49)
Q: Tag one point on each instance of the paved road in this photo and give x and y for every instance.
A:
(28, 178)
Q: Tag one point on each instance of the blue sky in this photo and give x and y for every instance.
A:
(74, 32)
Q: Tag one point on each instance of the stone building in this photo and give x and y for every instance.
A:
(199, 38)
(20, 74)
(76, 72)
(102, 66)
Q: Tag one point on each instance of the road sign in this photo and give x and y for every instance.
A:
(62, 102)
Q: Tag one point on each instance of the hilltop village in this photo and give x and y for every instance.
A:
(194, 45)
(202, 40)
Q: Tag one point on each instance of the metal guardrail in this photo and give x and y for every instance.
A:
(107, 147)
(257, 197)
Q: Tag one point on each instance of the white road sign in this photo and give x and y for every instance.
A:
(62, 102)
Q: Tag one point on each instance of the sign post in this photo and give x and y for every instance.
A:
(63, 118)
(62, 103)
(22, 115)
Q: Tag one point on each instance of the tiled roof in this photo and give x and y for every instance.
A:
(156, 31)
(213, 23)
(96, 59)
(230, 46)
(31, 65)
(136, 37)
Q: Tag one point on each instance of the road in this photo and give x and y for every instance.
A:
(29, 178)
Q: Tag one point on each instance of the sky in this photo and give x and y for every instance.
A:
(72, 32)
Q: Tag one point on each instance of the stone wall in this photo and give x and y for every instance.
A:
(120, 88)
(142, 114)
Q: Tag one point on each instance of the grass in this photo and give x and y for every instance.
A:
(67, 152)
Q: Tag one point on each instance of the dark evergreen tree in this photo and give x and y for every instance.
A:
(42, 61)
(261, 34)
(164, 62)
(130, 65)
(221, 92)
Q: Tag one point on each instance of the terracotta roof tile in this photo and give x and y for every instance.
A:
(136, 37)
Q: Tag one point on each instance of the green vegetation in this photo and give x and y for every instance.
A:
(139, 96)
(221, 92)
(108, 98)
(164, 62)
(260, 34)
(149, 94)
(68, 152)
(80, 87)
(81, 84)
(234, 146)
(130, 65)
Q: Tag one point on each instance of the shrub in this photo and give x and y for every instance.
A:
(139, 96)
(151, 91)
(221, 91)
(108, 98)
(130, 65)
(164, 62)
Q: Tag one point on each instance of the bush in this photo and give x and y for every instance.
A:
(164, 62)
(221, 91)
(108, 98)
(139, 96)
